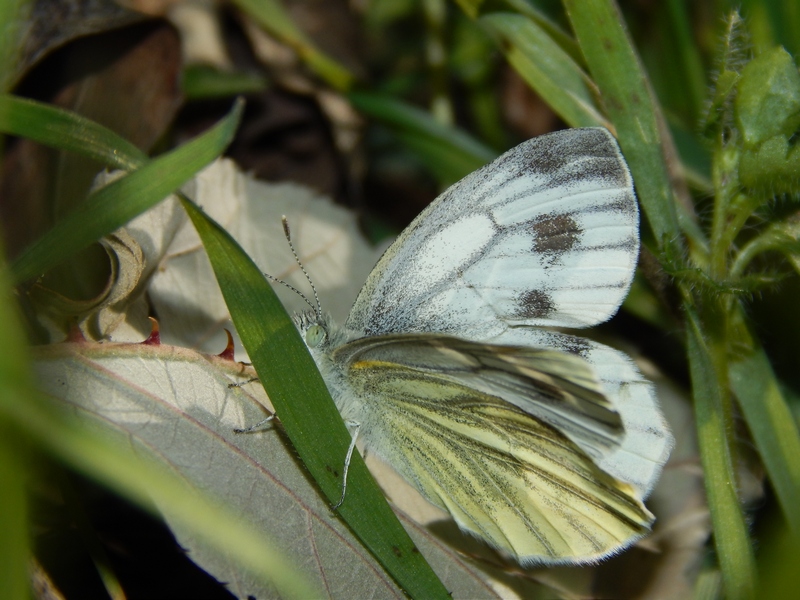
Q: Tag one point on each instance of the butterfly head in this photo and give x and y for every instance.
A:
(315, 329)
(315, 335)
(322, 337)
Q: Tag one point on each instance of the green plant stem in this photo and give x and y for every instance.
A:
(774, 239)
(712, 412)
(724, 177)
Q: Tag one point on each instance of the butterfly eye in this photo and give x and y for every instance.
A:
(315, 335)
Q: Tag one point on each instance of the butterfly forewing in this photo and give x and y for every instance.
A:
(547, 234)
(504, 476)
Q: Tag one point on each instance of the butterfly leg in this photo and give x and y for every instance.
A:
(355, 426)
(255, 427)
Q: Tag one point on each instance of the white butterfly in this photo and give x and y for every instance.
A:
(541, 443)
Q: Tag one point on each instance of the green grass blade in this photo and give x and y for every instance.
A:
(773, 22)
(14, 16)
(306, 411)
(734, 553)
(695, 84)
(201, 82)
(448, 152)
(773, 428)
(68, 131)
(15, 387)
(628, 101)
(117, 203)
(564, 40)
(14, 549)
(271, 15)
(547, 69)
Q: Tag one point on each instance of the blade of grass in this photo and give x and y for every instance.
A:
(117, 203)
(67, 131)
(774, 22)
(695, 84)
(201, 82)
(14, 547)
(564, 40)
(271, 15)
(773, 428)
(15, 380)
(734, 552)
(305, 409)
(13, 17)
(450, 153)
(627, 98)
(547, 69)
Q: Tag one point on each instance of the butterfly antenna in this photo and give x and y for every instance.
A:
(288, 234)
(291, 287)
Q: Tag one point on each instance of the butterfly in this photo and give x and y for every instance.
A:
(541, 443)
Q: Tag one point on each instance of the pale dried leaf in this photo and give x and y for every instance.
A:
(174, 407)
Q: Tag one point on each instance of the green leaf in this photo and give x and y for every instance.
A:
(768, 99)
(117, 203)
(734, 553)
(68, 131)
(305, 409)
(771, 169)
(547, 69)
(626, 96)
(448, 152)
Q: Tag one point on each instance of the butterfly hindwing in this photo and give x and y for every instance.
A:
(556, 387)
(504, 475)
(647, 441)
(547, 234)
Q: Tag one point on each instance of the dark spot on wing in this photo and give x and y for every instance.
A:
(576, 345)
(554, 235)
(535, 304)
